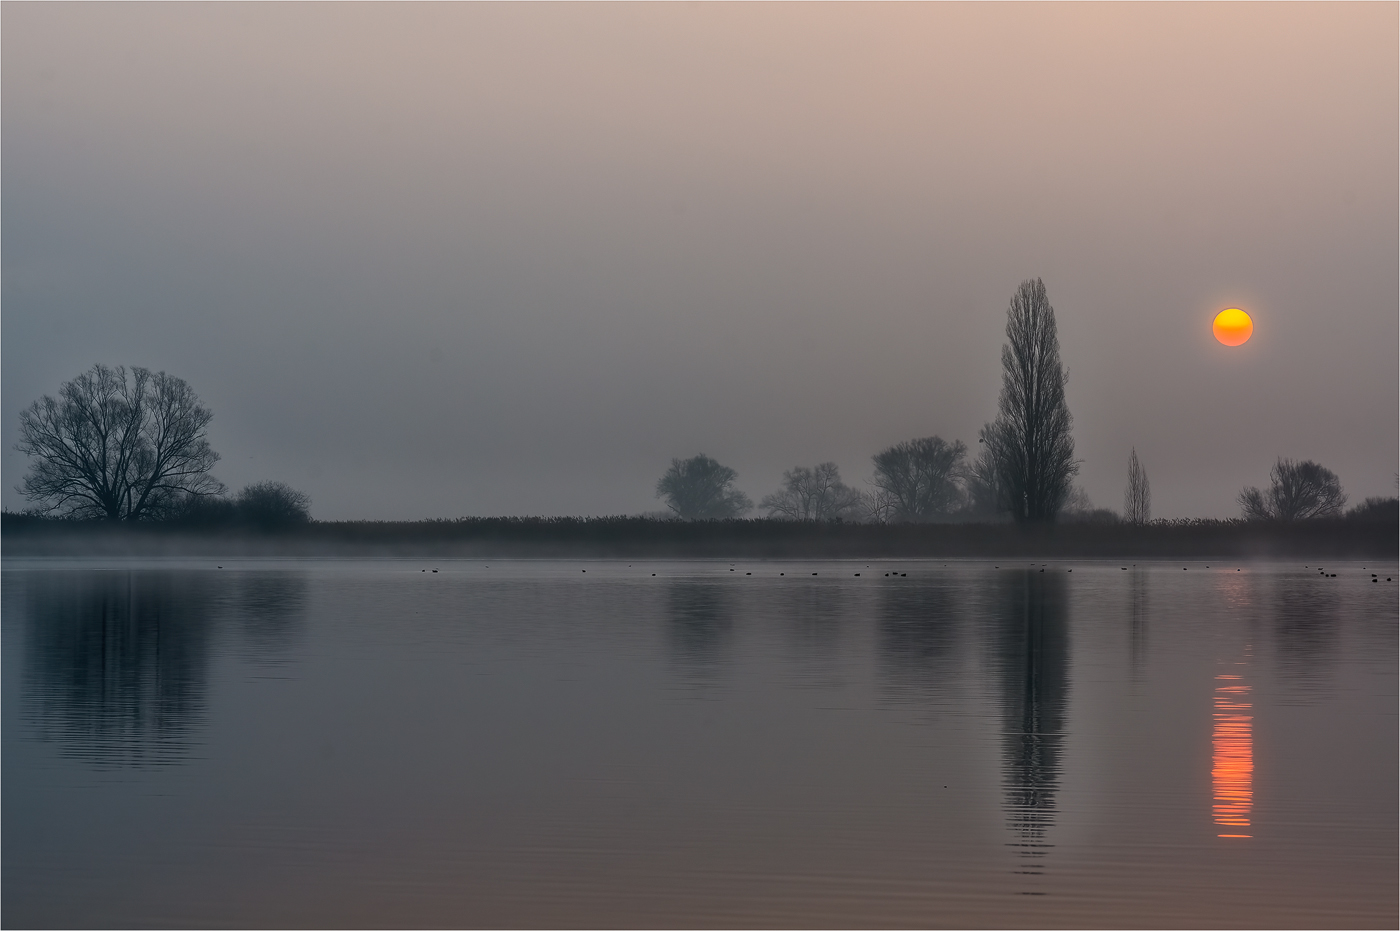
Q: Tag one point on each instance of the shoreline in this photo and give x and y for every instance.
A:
(761, 539)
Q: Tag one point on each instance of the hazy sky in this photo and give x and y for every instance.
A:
(440, 260)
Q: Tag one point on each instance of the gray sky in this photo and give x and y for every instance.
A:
(438, 260)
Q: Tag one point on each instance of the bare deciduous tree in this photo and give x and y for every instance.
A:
(700, 488)
(1137, 498)
(118, 447)
(1030, 440)
(917, 480)
(878, 506)
(1253, 505)
(813, 494)
(1297, 491)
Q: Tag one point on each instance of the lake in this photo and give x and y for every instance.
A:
(385, 742)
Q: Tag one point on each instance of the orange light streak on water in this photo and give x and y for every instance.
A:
(1232, 769)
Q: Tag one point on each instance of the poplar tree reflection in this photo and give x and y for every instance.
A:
(115, 663)
(1032, 660)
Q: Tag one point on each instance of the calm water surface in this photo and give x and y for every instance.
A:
(364, 743)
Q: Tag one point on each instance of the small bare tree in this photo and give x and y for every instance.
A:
(813, 494)
(701, 489)
(273, 504)
(1297, 491)
(118, 447)
(1137, 498)
(917, 480)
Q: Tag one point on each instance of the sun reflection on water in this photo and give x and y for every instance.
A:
(1232, 763)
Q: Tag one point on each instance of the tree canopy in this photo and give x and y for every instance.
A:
(273, 504)
(813, 494)
(917, 480)
(700, 488)
(1297, 491)
(118, 445)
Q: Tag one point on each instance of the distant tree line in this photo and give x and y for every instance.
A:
(645, 537)
(132, 445)
(1023, 471)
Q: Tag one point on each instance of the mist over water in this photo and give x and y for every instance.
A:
(531, 742)
(430, 261)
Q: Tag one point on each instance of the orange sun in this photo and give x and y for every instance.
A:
(1233, 327)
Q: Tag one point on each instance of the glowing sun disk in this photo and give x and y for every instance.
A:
(1233, 327)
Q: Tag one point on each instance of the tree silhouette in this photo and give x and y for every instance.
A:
(700, 488)
(1030, 440)
(273, 504)
(118, 447)
(1297, 491)
(1137, 498)
(813, 494)
(917, 480)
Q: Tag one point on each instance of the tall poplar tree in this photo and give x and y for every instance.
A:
(1030, 440)
(1137, 498)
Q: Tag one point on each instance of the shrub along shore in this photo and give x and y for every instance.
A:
(639, 538)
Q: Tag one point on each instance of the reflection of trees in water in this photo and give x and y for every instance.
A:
(1137, 619)
(700, 624)
(115, 662)
(269, 607)
(812, 617)
(1306, 631)
(1032, 660)
(918, 635)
